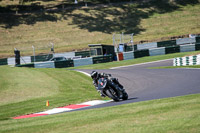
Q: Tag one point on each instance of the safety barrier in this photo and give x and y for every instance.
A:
(189, 60)
(83, 61)
(83, 54)
(157, 51)
(141, 53)
(160, 51)
(40, 58)
(140, 50)
(128, 55)
(70, 63)
(4, 61)
(102, 59)
(187, 48)
(147, 46)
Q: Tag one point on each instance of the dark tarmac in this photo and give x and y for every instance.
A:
(144, 84)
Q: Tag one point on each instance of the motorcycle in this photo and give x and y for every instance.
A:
(110, 87)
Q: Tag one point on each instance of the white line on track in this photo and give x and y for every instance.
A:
(140, 64)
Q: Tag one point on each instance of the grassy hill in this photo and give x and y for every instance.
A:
(75, 28)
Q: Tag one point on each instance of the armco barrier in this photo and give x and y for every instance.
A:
(141, 53)
(187, 48)
(83, 61)
(128, 55)
(189, 60)
(157, 51)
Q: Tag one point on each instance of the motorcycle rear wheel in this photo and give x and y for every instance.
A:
(112, 96)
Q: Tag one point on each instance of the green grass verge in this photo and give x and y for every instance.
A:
(176, 115)
(26, 90)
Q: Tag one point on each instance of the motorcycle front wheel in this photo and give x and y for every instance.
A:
(125, 95)
(111, 95)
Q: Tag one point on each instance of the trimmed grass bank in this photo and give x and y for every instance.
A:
(26, 90)
(178, 114)
(75, 29)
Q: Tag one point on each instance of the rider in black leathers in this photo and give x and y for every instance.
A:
(96, 76)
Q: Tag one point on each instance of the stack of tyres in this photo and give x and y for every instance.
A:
(40, 58)
(83, 54)
(197, 45)
(4, 61)
(172, 49)
(63, 64)
(141, 53)
(166, 43)
(102, 59)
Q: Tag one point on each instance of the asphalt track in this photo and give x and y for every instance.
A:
(142, 83)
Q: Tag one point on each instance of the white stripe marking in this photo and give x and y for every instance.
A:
(84, 73)
(140, 64)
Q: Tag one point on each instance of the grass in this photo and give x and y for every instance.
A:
(178, 114)
(24, 90)
(74, 29)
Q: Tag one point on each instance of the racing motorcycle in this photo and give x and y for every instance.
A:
(110, 87)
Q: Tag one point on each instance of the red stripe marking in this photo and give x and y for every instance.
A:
(28, 116)
(74, 106)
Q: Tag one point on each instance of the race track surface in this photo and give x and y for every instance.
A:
(144, 84)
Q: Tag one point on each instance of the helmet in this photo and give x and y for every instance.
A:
(94, 75)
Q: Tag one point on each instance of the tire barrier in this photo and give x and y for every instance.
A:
(157, 51)
(40, 58)
(70, 63)
(185, 61)
(128, 55)
(102, 59)
(166, 43)
(147, 46)
(162, 51)
(187, 48)
(140, 50)
(169, 43)
(4, 61)
(83, 54)
(83, 61)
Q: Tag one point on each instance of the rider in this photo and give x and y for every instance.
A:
(96, 76)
